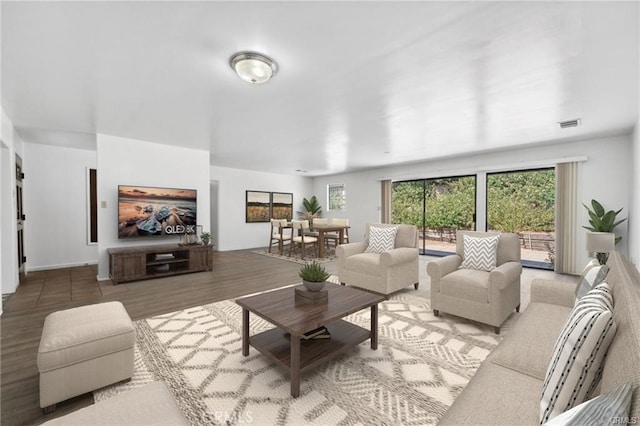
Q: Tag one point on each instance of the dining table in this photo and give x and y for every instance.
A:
(322, 229)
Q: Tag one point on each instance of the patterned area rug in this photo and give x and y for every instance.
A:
(422, 363)
(310, 255)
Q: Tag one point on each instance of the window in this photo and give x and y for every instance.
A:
(438, 207)
(336, 197)
(518, 201)
(523, 202)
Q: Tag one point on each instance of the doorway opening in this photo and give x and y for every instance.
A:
(20, 217)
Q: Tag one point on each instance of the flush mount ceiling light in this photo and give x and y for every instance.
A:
(253, 67)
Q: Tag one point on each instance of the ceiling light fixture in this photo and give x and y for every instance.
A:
(253, 67)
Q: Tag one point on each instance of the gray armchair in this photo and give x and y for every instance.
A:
(486, 297)
(385, 272)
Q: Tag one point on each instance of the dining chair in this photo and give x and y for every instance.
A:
(278, 235)
(298, 228)
(316, 221)
(335, 236)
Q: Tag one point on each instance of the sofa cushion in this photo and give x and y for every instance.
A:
(150, 404)
(531, 340)
(381, 239)
(496, 396)
(363, 262)
(480, 253)
(600, 410)
(466, 284)
(592, 275)
(576, 364)
(623, 357)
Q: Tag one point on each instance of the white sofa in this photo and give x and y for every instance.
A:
(385, 272)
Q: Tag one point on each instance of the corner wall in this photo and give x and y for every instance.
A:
(124, 161)
(56, 206)
(604, 176)
(10, 145)
(234, 232)
(634, 210)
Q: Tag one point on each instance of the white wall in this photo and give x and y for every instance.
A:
(6, 210)
(213, 194)
(605, 176)
(234, 232)
(56, 206)
(124, 161)
(10, 145)
(610, 160)
(634, 210)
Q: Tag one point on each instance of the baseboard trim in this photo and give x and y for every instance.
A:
(60, 266)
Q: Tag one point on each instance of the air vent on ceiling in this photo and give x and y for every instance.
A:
(569, 123)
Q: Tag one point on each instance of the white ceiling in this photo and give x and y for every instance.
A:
(360, 84)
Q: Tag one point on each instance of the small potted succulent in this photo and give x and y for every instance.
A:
(314, 276)
(205, 237)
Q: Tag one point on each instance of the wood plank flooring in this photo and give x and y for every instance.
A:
(234, 274)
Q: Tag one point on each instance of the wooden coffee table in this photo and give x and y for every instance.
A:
(295, 317)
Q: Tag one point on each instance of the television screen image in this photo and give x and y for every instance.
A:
(146, 210)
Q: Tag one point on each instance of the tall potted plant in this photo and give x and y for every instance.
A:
(601, 220)
(312, 209)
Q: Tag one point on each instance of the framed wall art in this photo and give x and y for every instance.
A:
(258, 206)
(282, 205)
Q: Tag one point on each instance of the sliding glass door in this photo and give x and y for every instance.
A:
(438, 207)
(524, 202)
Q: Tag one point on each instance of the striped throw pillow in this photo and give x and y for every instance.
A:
(601, 410)
(576, 363)
(480, 253)
(381, 239)
(592, 275)
(599, 296)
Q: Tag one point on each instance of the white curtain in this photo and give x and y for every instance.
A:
(566, 217)
(385, 202)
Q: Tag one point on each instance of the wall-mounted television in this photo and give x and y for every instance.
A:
(152, 211)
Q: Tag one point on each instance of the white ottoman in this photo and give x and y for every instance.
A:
(83, 349)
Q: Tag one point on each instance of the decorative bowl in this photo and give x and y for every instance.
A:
(313, 286)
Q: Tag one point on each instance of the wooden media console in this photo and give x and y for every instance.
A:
(144, 262)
